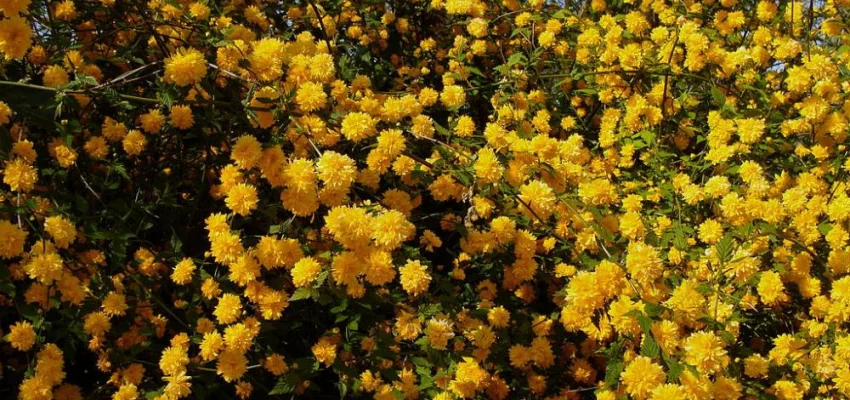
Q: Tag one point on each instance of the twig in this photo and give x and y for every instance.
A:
(318, 152)
(147, 100)
(158, 301)
(87, 185)
(229, 73)
(418, 159)
(321, 25)
(124, 76)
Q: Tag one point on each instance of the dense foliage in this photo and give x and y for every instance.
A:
(403, 199)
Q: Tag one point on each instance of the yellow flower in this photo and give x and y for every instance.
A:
(96, 147)
(199, 11)
(246, 152)
(439, 332)
(45, 267)
(244, 389)
(306, 270)
(152, 122)
(710, 231)
(5, 113)
(178, 385)
(391, 228)
(24, 149)
(226, 247)
(13, 241)
(275, 364)
(229, 308)
(477, 27)
(113, 130)
(185, 67)
(488, 168)
(64, 155)
(414, 278)
(756, 366)
(126, 392)
(15, 37)
(787, 390)
(181, 117)
(21, 336)
(325, 351)
(453, 96)
(358, 126)
(842, 381)
(469, 378)
(643, 263)
(668, 391)
(266, 59)
(13, 8)
(61, 230)
(631, 225)
(97, 323)
(310, 96)
(336, 170)
(114, 304)
(641, 377)
(183, 271)
(134, 143)
(65, 10)
(244, 270)
(231, 365)
(173, 360)
(242, 199)
(211, 345)
(706, 351)
(54, 76)
(238, 337)
(771, 289)
(321, 67)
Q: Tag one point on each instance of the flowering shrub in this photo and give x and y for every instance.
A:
(447, 199)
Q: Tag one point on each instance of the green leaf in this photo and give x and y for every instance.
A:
(613, 371)
(585, 91)
(421, 362)
(561, 14)
(354, 324)
(475, 71)
(284, 385)
(717, 97)
(645, 324)
(674, 369)
(341, 307)
(516, 58)
(724, 248)
(653, 310)
(824, 228)
(650, 347)
(8, 288)
(176, 243)
(647, 136)
(301, 294)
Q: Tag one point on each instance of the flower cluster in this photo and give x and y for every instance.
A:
(448, 199)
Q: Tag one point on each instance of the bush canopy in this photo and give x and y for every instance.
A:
(410, 199)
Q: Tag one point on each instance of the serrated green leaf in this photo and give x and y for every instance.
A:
(283, 386)
(301, 294)
(724, 248)
(613, 371)
(650, 347)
